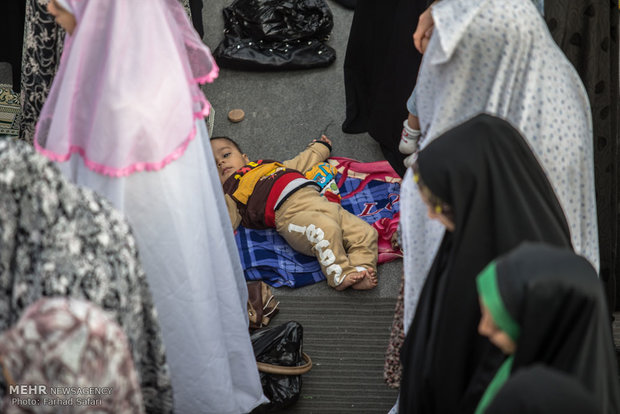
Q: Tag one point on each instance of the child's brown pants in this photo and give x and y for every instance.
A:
(317, 227)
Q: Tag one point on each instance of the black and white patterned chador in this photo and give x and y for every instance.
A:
(60, 240)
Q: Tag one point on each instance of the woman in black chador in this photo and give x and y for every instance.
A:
(482, 181)
(545, 305)
(543, 390)
(380, 71)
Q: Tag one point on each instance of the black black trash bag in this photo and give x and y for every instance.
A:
(276, 35)
(279, 346)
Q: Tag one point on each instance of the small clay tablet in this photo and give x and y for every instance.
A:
(236, 115)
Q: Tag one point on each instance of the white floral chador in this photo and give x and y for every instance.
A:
(497, 56)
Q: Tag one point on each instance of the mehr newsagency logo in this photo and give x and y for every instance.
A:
(40, 394)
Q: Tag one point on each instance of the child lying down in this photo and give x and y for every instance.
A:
(269, 194)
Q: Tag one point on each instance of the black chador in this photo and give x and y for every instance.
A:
(500, 197)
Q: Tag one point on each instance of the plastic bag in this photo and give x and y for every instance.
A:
(280, 346)
(276, 34)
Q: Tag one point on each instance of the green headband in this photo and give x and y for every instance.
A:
(489, 293)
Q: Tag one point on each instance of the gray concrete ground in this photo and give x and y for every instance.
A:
(285, 111)
(346, 333)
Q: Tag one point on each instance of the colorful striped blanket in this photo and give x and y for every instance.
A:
(369, 190)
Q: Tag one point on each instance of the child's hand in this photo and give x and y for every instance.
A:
(323, 139)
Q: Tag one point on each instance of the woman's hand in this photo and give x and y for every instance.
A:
(423, 32)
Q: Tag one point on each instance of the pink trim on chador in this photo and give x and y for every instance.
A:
(125, 118)
(136, 167)
(118, 172)
(209, 77)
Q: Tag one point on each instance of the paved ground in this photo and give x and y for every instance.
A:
(285, 111)
(346, 333)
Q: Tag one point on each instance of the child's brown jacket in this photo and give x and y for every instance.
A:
(254, 192)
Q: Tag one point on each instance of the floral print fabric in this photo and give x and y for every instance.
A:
(498, 57)
(69, 343)
(59, 240)
(393, 369)
(587, 33)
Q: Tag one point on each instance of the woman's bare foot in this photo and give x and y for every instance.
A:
(369, 281)
(351, 279)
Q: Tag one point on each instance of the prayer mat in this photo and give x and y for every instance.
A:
(371, 191)
(10, 112)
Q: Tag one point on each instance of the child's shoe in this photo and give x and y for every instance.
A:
(408, 139)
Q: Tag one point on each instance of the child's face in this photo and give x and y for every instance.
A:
(64, 18)
(499, 338)
(227, 158)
